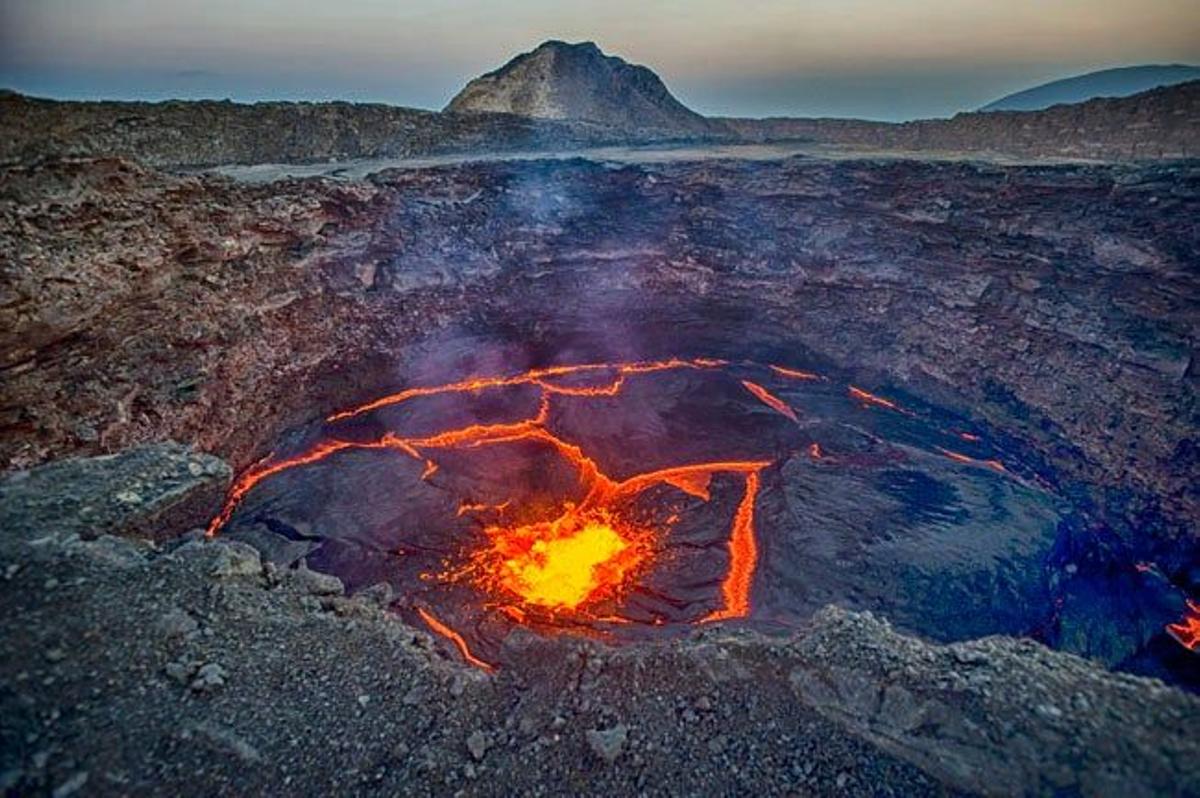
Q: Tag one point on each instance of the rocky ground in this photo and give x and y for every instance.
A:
(208, 133)
(1161, 123)
(193, 668)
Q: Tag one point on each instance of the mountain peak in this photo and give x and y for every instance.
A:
(578, 81)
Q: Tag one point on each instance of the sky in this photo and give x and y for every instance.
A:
(874, 59)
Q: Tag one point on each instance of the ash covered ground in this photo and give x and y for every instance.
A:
(1051, 311)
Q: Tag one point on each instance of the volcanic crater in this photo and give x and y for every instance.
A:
(637, 443)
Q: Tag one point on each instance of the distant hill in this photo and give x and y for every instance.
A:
(579, 82)
(1119, 82)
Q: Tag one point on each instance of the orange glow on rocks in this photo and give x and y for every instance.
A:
(1187, 631)
(770, 400)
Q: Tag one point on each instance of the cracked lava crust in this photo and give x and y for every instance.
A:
(639, 499)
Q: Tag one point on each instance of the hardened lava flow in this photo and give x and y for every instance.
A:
(554, 541)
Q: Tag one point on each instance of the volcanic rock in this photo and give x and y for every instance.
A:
(209, 133)
(1155, 124)
(477, 744)
(315, 583)
(607, 743)
(558, 80)
(237, 559)
(151, 491)
(209, 677)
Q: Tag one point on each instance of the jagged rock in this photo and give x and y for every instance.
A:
(1037, 705)
(176, 487)
(224, 740)
(181, 671)
(315, 583)
(607, 743)
(235, 559)
(176, 624)
(477, 745)
(208, 678)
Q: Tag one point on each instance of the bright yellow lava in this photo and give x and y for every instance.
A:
(563, 571)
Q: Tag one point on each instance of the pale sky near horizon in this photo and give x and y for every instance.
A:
(882, 59)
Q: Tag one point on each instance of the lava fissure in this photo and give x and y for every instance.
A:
(770, 400)
(454, 637)
(534, 376)
(958, 457)
(743, 557)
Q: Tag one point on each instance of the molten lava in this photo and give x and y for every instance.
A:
(770, 400)
(1187, 631)
(561, 564)
(455, 638)
(743, 554)
(590, 549)
(872, 399)
(957, 457)
(795, 374)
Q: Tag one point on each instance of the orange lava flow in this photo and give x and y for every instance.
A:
(743, 554)
(770, 400)
(795, 374)
(995, 465)
(533, 376)
(872, 399)
(1187, 631)
(455, 638)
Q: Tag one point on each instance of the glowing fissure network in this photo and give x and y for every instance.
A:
(593, 549)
